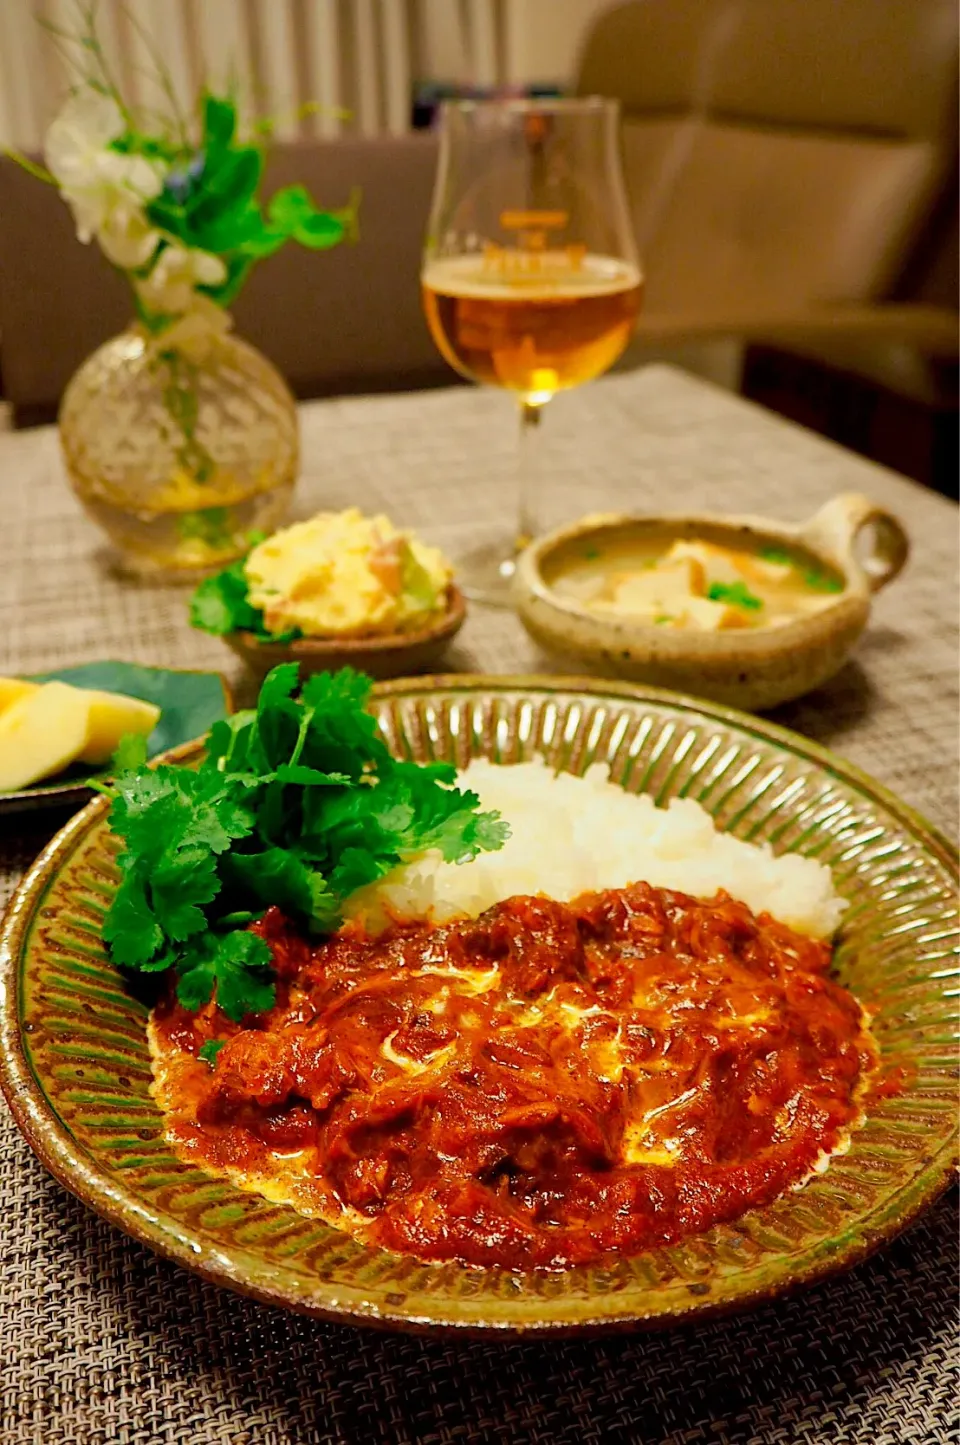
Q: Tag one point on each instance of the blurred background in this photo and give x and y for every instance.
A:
(792, 168)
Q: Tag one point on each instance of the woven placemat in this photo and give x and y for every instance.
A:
(102, 1342)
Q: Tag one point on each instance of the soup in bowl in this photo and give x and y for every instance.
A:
(743, 610)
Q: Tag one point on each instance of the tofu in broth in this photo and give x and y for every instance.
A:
(696, 585)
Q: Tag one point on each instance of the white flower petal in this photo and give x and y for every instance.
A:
(135, 174)
(208, 270)
(85, 126)
(126, 236)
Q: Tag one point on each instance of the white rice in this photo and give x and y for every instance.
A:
(572, 835)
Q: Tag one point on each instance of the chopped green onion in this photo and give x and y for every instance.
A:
(736, 593)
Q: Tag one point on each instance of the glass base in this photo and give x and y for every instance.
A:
(486, 574)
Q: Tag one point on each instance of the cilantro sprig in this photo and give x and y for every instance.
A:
(297, 803)
(221, 604)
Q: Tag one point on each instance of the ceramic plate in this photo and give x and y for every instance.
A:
(76, 1069)
(189, 701)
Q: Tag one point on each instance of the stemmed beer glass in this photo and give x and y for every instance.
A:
(530, 276)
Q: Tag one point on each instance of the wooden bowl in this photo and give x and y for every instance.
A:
(394, 654)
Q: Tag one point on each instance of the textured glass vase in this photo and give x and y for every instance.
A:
(180, 445)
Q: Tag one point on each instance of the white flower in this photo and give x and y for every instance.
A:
(126, 236)
(169, 290)
(106, 190)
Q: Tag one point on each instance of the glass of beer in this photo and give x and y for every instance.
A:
(530, 275)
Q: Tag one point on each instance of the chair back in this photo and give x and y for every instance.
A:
(779, 155)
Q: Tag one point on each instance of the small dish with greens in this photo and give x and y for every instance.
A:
(337, 590)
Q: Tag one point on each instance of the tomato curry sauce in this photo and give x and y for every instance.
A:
(540, 1087)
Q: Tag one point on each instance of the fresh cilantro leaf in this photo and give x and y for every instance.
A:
(215, 813)
(233, 965)
(342, 736)
(210, 1050)
(144, 803)
(337, 690)
(275, 809)
(356, 867)
(289, 206)
(219, 604)
(296, 805)
(185, 879)
(234, 747)
(736, 593)
(309, 777)
(441, 817)
(131, 928)
(277, 876)
(279, 718)
(277, 688)
(489, 833)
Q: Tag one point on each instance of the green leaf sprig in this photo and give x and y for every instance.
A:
(209, 200)
(296, 804)
(221, 604)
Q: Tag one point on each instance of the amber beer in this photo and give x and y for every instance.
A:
(535, 324)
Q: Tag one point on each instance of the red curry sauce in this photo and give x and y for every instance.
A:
(539, 1087)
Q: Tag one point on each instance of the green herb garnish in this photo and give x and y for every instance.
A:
(591, 553)
(779, 555)
(819, 580)
(221, 604)
(737, 594)
(210, 1050)
(663, 620)
(296, 804)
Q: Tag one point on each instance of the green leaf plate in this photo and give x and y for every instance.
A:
(190, 702)
(75, 1067)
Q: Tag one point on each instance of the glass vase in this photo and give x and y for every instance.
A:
(179, 445)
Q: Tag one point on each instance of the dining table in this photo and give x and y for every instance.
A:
(103, 1343)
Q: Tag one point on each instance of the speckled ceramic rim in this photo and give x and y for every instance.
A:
(751, 644)
(97, 1188)
(71, 795)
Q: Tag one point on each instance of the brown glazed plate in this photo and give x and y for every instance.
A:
(75, 1067)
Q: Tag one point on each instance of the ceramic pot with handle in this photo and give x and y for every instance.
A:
(752, 668)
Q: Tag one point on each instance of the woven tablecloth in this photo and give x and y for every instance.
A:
(102, 1342)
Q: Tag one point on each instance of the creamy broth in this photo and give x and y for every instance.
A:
(693, 584)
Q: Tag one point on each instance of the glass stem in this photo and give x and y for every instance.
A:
(526, 479)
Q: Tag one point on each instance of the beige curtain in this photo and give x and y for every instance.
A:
(319, 67)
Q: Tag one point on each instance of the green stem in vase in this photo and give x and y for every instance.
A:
(180, 397)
